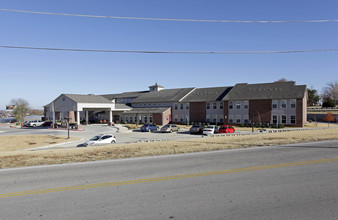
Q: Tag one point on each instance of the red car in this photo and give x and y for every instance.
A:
(226, 129)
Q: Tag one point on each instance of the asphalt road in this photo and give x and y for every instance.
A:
(280, 182)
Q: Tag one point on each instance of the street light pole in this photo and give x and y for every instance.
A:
(68, 127)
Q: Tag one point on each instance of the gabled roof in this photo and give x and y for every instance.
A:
(124, 95)
(87, 98)
(207, 94)
(276, 90)
(122, 107)
(147, 110)
(165, 95)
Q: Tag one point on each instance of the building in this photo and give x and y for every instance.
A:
(273, 103)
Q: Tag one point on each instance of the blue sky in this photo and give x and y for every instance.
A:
(40, 76)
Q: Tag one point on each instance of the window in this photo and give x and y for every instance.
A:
(181, 106)
(131, 119)
(221, 118)
(150, 119)
(231, 119)
(246, 104)
(208, 105)
(145, 119)
(246, 119)
(274, 119)
(181, 118)
(176, 118)
(231, 105)
(175, 106)
(208, 118)
(221, 105)
(214, 105)
(274, 104)
(283, 104)
(238, 119)
(293, 103)
(283, 119)
(187, 106)
(238, 104)
(215, 119)
(293, 119)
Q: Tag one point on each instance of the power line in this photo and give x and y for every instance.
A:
(168, 52)
(168, 19)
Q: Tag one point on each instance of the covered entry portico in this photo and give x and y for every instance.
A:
(77, 107)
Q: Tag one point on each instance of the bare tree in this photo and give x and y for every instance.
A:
(21, 108)
(331, 90)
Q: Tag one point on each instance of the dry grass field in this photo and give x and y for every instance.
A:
(43, 157)
(22, 142)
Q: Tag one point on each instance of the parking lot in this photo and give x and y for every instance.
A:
(123, 135)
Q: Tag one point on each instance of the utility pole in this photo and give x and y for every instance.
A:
(252, 123)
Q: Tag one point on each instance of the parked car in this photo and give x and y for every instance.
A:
(149, 127)
(47, 124)
(226, 129)
(170, 128)
(210, 129)
(101, 139)
(35, 123)
(26, 123)
(196, 129)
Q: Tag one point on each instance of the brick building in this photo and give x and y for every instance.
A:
(273, 103)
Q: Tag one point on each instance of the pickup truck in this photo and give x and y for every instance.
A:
(35, 123)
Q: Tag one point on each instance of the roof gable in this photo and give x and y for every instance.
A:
(276, 90)
(166, 95)
(207, 94)
(87, 98)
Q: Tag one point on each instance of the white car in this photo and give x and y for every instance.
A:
(35, 123)
(210, 129)
(101, 139)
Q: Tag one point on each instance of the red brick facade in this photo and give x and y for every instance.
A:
(260, 111)
(157, 118)
(198, 111)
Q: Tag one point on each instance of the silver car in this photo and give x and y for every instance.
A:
(170, 128)
(101, 139)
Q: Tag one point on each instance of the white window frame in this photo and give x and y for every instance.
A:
(214, 105)
(238, 104)
(208, 105)
(284, 104)
(245, 104)
(231, 105)
(293, 103)
(238, 119)
(246, 119)
(221, 105)
(274, 104)
(291, 120)
(231, 118)
(281, 119)
(273, 119)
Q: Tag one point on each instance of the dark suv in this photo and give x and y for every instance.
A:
(197, 129)
(149, 127)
